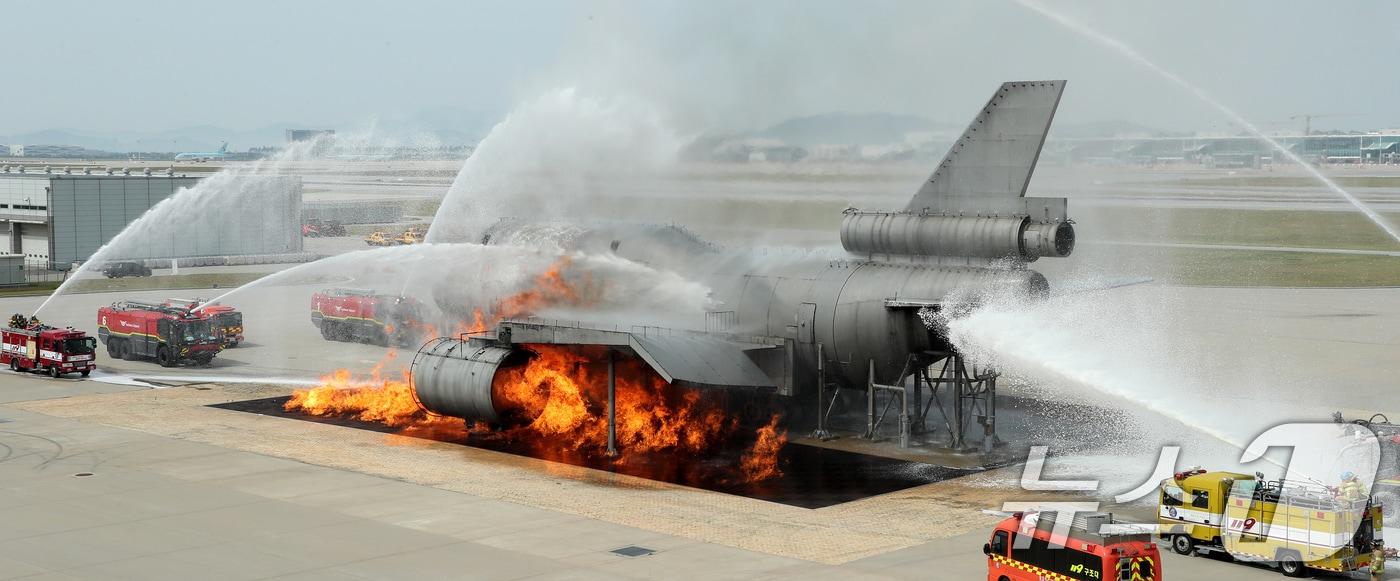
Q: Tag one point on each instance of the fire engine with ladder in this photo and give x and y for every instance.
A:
(170, 335)
(28, 345)
(1026, 547)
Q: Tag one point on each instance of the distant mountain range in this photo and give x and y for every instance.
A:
(888, 128)
(457, 127)
(440, 126)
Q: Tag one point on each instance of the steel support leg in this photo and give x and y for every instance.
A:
(870, 403)
(821, 433)
(959, 395)
(919, 398)
(612, 403)
(904, 417)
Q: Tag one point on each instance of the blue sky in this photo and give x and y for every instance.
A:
(120, 66)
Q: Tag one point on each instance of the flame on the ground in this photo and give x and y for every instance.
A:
(562, 395)
(557, 401)
(372, 397)
(761, 461)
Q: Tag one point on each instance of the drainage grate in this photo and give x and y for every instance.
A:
(632, 551)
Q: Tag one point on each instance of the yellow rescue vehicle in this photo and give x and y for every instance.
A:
(410, 236)
(378, 238)
(1292, 525)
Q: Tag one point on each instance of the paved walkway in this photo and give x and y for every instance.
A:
(163, 507)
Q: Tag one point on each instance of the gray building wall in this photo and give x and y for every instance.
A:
(86, 212)
(11, 270)
(260, 215)
(57, 218)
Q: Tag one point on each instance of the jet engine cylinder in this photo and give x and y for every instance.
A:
(1047, 239)
(453, 377)
(901, 233)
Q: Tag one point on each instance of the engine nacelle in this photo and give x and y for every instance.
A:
(454, 378)
(991, 237)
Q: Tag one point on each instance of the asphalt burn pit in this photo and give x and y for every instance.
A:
(812, 477)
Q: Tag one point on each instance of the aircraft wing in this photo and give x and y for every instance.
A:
(687, 357)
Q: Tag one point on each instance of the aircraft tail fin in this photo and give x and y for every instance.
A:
(997, 153)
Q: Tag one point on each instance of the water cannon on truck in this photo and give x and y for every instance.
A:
(225, 318)
(170, 335)
(362, 316)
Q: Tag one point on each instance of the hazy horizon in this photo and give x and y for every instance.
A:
(151, 66)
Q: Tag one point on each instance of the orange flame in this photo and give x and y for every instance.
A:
(551, 288)
(761, 461)
(375, 398)
(562, 395)
(558, 399)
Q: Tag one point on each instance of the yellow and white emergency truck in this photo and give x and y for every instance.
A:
(1295, 526)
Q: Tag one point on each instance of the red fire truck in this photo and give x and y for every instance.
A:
(170, 335)
(1024, 548)
(358, 315)
(38, 347)
(226, 319)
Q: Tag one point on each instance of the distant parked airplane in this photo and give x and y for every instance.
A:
(205, 155)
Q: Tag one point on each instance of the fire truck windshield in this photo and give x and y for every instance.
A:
(80, 346)
(196, 332)
(230, 319)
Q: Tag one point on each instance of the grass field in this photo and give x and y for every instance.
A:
(1292, 181)
(1209, 267)
(1294, 228)
(220, 280)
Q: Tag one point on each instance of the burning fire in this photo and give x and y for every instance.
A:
(562, 395)
(372, 398)
(761, 461)
(557, 401)
(552, 288)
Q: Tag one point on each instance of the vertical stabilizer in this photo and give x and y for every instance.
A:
(997, 153)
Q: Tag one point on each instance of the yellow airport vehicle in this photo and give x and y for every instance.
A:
(1295, 526)
(378, 238)
(410, 236)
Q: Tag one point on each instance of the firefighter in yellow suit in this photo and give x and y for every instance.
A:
(1378, 563)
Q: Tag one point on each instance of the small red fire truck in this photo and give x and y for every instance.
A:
(357, 315)
(225, 318)
(1024, 547)
(34, 346)
(170, 335)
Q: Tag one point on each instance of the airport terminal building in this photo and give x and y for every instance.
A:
(56, 219)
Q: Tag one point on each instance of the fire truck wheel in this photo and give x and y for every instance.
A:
(1290, 564)
(14, 364)
(1003, 578)
(1184, 545)
(128, 353)
(54, 372)
(112, 349)
(87, 372)
(328, 330)
(165, 357)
